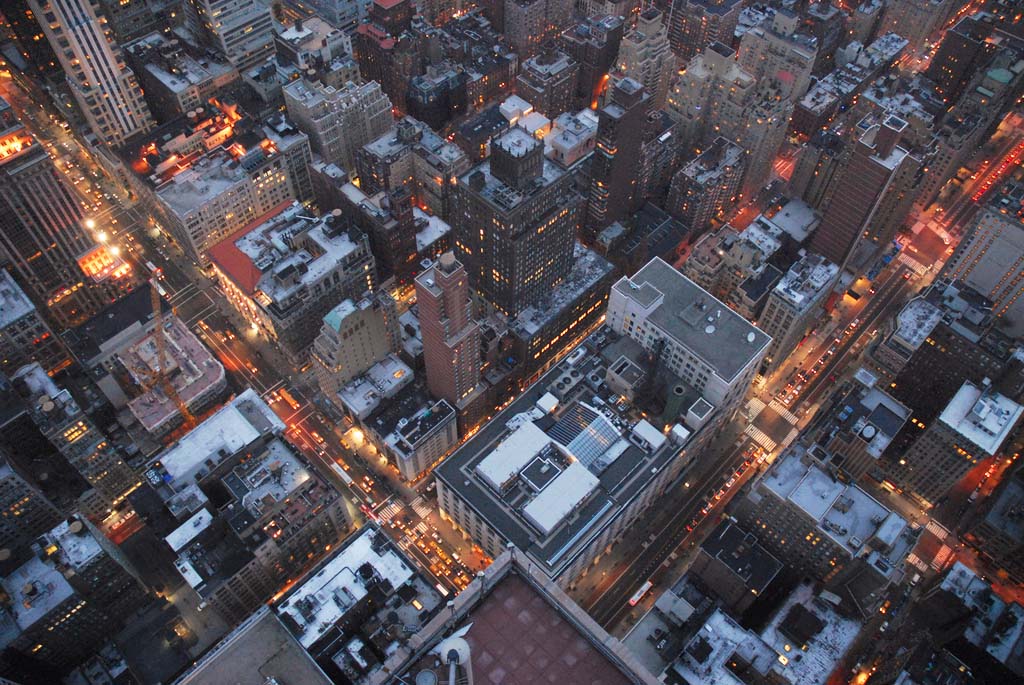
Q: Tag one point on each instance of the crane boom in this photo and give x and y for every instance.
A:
(161, 355)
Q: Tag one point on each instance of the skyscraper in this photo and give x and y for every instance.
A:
(775, 48)
(70, 597)
(105, 89)
(451, 339)
(875, 195)
(514, 222)
(41, 230)
(339, 121)
(77, 438)
(707, 185)
(645, 55)
(241, 30)
(695, 24)
(990, 259)
(977, 424)
(614, 174)
(548, 81)
(594, 44)
(25, 512)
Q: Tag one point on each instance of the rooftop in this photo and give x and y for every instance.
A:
(916, 321)
(740, 552)
(288, 253)
(383, 380)
(845, 513)
(368, 563)
(71, 542)
(191, 368)
(588, 270)
(167, 60)
(982, 416)
(258, 650)
(724, 653)
(689, 314)
(14, 303)
(36, 588)
(234, 426)
(810, 637)
(796, 219)
(518, 627)
(526, 469)
(807, 281)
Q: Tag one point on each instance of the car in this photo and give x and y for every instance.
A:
(731, 482)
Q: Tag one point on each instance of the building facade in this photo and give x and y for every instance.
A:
(105, 89)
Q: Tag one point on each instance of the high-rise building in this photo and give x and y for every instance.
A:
(531, 213)
(698, 338)
(875, 193)
(285, 273)
(355, 335)
(717, 97)
(217, 171)
(451, 338)
(392, 47)
(774, 49)
(105, 89)
(594, 44)
(529, 23)
(43, 232)
(975, 425)
(916, 20)
(695, 24)
(339, 121)
(964, 50)
(66, 601)
(997, 535)
(615, 166)
(411, 151)
(548, 81)
(89, 451)
(851, 436)
(825, 528)
(344, 14)
(25, 512)
(25, 336)
(241, 30)
(707, 185)
(239, 545)
(795, 304)
(131, 19)
(646, 56)
(176, 78)
(990, 259)
(22, 28)
(817, 164)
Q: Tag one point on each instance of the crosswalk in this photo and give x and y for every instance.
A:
(761, 438)
(780, 409)
(390, 510)
(420, 506)
(917, 267)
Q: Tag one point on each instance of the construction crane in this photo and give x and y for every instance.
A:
(161, 354)
(149, 378)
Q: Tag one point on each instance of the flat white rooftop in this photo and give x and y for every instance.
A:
(561, 496)
(984, 417)
(231, 428)
(318, 603)
(512, 454)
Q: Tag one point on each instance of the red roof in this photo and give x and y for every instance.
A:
(387, 4)
(234, 263)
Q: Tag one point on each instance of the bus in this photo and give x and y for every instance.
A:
(342, 474)
(287, 396)
(644, 589)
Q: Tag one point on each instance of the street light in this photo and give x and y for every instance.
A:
(101, 236)
(90, 224)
